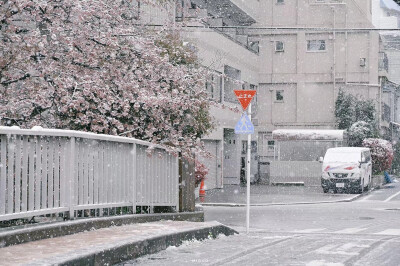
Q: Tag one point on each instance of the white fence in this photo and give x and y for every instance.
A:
(308, 172)
(54, 171)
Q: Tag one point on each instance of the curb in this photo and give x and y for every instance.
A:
(276, 204)
(24, 234)
(135, 249)
(288, 184)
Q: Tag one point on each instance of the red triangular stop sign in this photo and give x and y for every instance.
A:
(245, 97)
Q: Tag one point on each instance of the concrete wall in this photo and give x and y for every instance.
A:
(394, 65)
(303, 150)
(289, 171)
(313, 13)
(296, 64)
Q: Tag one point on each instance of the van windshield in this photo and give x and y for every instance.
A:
(343, 157)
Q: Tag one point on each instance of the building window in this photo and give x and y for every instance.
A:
(280, 1)
(232, 77)
(316, 45)
(213, 86)
(279, 96)
(271, 145)
(279, 46)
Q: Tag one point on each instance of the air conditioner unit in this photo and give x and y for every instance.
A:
(363, 62)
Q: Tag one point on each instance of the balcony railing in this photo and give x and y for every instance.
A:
(211, 14)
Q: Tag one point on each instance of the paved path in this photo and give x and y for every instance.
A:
(61, 249)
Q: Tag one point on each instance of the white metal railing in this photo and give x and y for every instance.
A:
(45, 171)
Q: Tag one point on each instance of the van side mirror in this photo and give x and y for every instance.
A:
(321, 159)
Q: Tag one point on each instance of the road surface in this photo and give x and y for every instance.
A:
(362, 232)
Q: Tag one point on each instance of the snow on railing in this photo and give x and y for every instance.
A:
(46, 171)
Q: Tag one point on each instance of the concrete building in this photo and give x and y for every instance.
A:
(303, 70)
(234, 58)
(386, 15)
(296, 54)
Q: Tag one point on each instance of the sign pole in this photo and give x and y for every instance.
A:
(244, 126)
(248, 176)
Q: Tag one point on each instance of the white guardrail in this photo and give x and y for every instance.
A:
(46, 171)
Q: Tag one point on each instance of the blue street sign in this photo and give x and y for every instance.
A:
(244, 126)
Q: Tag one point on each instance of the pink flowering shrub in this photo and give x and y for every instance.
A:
(86, 65)
(201, 172)
(381, 152)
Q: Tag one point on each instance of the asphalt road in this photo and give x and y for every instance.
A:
(362, 232)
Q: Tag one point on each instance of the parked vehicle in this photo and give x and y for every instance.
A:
(346, 169)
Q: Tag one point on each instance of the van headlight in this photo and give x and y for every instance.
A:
(325, 175)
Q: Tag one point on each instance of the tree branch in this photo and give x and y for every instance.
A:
(8, 82)
(96, 41)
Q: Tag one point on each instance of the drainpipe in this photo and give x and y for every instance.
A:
(272, 96)
(334, 54)
(380, 104)
(347, 50)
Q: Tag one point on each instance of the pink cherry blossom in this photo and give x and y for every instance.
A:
(87, 65)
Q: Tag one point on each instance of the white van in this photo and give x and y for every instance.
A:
(346, 168)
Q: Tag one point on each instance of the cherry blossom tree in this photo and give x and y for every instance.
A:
(381, 153)
(87, 65)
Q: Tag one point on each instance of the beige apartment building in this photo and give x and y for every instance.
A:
(303, 70)
(233, 56)
(297, 54)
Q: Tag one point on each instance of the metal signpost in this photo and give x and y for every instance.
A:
(244, 126)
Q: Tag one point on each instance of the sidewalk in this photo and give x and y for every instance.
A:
(261, 195)
(110, 245)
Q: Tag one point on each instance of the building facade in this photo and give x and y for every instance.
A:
(303, 69)
(228, 51)
(297, 54)
(386, 15)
